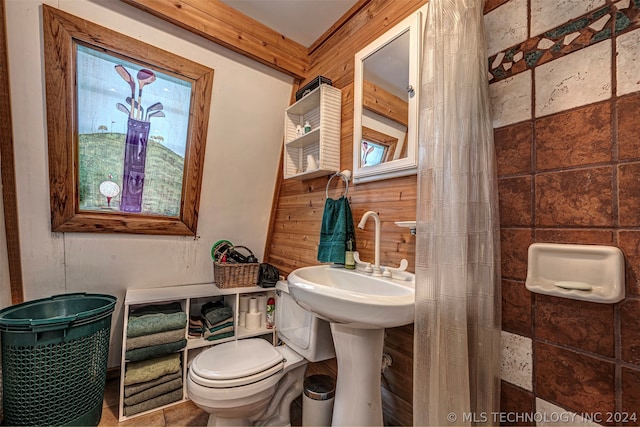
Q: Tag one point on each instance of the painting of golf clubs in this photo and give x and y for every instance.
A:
(132, 135)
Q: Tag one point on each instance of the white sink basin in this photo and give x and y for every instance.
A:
(354, 298)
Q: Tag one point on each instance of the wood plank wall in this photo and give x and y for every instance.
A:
(8, 172)
(297, 213)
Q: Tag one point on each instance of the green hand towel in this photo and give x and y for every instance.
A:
(337, 226)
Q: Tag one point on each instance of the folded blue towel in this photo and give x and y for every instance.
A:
(337, 226)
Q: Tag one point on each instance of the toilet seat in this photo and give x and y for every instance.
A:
(236, 363)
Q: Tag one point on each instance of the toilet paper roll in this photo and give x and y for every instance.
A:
(253, 320)
(253, 305)
(242, 318)
(262, 306)
(244, 302)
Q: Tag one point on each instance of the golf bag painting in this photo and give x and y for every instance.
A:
(135, 151)
(135, 155)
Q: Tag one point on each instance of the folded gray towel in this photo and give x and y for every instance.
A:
(156, 402)
(154, 323)
(155, 339)
(153, 392)
(155, 350)
(130, 390)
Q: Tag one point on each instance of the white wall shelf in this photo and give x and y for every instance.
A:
(322, 110)
(191, 298)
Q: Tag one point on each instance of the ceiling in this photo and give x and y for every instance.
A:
(303, 21)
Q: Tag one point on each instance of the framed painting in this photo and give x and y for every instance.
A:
(127, 125)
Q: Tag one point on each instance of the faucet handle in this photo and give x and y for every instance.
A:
(356, 258)
(403, 266)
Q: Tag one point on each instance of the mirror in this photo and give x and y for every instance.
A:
(385, 112)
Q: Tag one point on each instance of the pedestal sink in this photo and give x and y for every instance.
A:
(359, 307)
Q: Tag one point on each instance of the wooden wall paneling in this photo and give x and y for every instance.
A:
(397, 396)
(296, 187)
(302, 242)
(395, 410)
(296, 213)
(327, 367)
(394, 380)
(305, 230)
(8, 170)
(390, 190)
(226, 26)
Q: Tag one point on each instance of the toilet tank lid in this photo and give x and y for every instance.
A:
(282, 285)
(236, 359)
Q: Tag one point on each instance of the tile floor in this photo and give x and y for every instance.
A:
(183, 414)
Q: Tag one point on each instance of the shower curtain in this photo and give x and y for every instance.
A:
(457, 324)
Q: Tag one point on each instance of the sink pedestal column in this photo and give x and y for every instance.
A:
(358, 400)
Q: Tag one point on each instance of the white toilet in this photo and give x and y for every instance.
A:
(249, 381)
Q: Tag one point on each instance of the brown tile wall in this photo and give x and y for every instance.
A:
(573, 177)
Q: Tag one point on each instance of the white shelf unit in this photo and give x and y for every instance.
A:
(322, 108)
(191, 298)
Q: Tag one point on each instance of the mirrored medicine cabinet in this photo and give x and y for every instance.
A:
(385, 142)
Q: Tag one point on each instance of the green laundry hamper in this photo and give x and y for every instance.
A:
(54, 359)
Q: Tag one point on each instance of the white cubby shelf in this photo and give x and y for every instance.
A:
(191, 299)
(321, 108)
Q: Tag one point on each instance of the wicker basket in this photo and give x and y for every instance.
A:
(236, 275)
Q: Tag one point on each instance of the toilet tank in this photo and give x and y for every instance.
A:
(309, 336)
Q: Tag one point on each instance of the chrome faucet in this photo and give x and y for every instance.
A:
(377, 271)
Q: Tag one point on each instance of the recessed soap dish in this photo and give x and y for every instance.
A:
(583, 272)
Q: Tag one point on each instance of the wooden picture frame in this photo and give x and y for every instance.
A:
(64, 36)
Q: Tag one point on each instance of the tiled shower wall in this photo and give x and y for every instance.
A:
(565, 93)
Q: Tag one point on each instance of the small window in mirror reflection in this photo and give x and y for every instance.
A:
(371, 153)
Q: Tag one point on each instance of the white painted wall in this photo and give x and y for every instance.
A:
(242, 157)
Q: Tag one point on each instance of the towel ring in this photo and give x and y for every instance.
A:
(346, 176)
